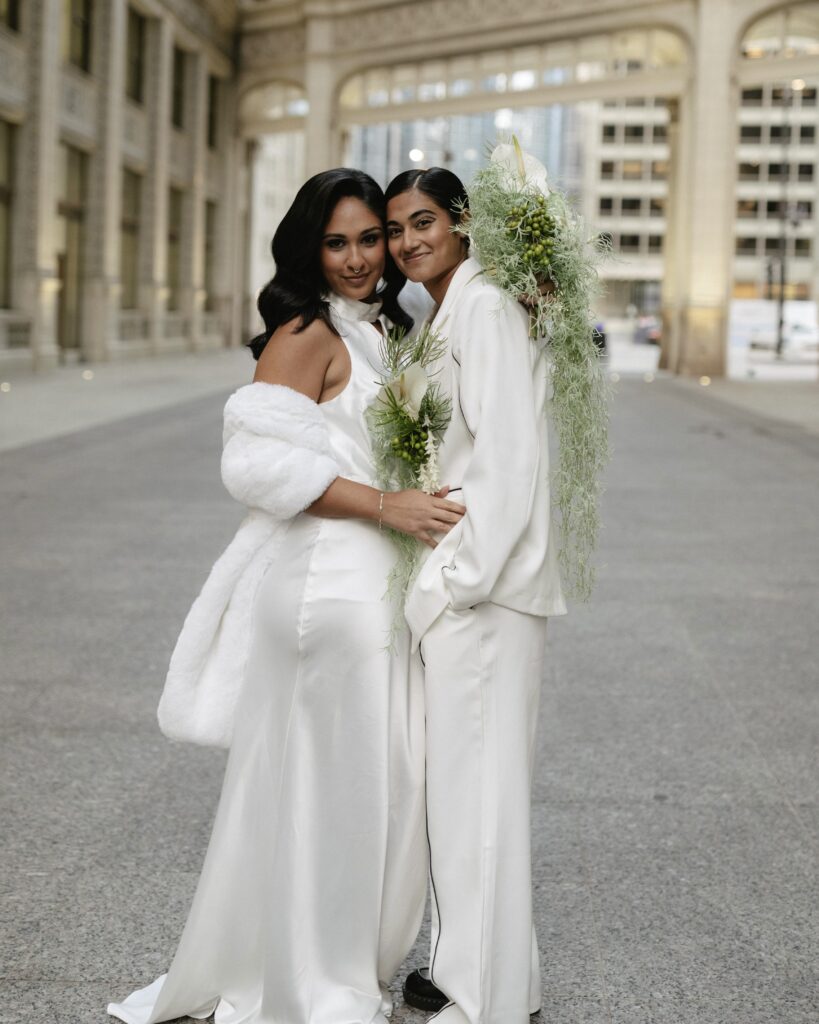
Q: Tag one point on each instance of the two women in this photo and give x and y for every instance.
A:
(314, 879)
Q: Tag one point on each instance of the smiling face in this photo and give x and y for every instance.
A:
(421, 240)
(352, 250)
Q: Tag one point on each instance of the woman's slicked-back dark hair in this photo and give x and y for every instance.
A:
(442, 186)
(298, 285)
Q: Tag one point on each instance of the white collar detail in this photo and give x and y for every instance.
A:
(466, 272)
(352, 309)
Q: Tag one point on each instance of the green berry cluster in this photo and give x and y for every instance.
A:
(531, 223)
(411, 446)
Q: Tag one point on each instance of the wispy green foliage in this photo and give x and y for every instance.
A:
(404, 444)
(504, 214)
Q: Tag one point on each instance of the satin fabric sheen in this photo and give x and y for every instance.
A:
(315, 877)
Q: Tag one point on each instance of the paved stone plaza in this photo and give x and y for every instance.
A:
(676, 807)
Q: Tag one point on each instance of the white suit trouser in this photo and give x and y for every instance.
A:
(483, 669)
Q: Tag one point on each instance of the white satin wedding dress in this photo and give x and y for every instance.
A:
(314, 881)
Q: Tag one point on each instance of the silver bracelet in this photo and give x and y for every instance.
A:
(380, 509)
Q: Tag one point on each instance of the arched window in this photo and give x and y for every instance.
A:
(516, 71)
(266, 107)
(790, 32)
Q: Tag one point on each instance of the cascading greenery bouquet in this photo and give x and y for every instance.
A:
(407, 421)
(525, 234)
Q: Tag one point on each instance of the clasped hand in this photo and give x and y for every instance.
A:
(421, 515)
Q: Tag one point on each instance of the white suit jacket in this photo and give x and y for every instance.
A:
(495, 458)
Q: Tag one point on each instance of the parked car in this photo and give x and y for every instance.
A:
(647, 330)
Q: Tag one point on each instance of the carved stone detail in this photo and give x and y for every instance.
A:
(215, 20)
(261, 48)
(429, 18)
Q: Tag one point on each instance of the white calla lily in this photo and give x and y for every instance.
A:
(408, 388)
(521, 168)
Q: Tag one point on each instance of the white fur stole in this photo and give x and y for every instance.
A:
(276, 460)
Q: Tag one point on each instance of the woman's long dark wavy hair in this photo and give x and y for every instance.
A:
(297, 287)
(442, 186)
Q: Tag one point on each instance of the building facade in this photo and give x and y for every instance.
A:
(777, 191)
(148, 148)
(672, 82)
(119, 178)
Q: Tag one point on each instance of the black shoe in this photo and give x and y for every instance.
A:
(420, 993)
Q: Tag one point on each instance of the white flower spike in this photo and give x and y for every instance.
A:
(429, 478)
(521, 168)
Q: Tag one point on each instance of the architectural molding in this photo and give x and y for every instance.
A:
(214, 20)
(408, 21)
(263, 48)
(279, 40)
(360, 25)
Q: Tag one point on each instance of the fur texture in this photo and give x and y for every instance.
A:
(276, 461)
(276, 450)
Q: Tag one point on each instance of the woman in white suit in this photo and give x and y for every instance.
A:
(478, 612)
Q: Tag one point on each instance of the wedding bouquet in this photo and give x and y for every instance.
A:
(525, 235)
(407, 421)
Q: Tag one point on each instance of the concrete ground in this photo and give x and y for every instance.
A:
(38, 407)
(676, 811)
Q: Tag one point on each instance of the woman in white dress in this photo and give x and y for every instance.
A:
(314, 880)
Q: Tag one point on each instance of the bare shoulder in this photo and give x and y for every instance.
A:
(298, 357)
(292, 337)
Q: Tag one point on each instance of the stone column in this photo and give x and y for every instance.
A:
(675, 252)
(709, 206)
(233, 216)
(322, 136)
(104, 204)
(154, 241)
(193, 248)
(229, 262)
(247, 300)
(37, 285)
